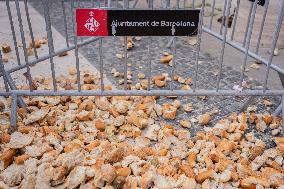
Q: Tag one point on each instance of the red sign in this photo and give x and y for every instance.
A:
(91, 22)
(97, 22)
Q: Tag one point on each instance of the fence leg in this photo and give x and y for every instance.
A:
(283, 115)
(247, 103)
(169, 44)
(14, 106)
(9, 80)
(277, 111)
(279, 108)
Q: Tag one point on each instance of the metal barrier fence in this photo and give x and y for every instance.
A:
(222, 35)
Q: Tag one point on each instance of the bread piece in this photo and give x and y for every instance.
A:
(148, 179)
(59, 173)
(21, 159)
(204, 119)
(19, 140)
(85, 116)
(36, 116)
(169, 111)
(166, 59)
(75, 177)
(102, 103)
(185, 123)
(123, 171)
(251, 182)
(100, 125)
(226, 146)
(72, 71)
(186, 183)
(160, 83)
(121, 106)
(5, 138)
(187, 170)
(192, 159)
(201, 177)
(13, 175)
(108, 173)
(88, 79)
(25, 129)
(187, 107)
(115, 155)
(6, 48)
(131, 182)
(7, 158)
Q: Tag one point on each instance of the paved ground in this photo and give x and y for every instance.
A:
(185, 57)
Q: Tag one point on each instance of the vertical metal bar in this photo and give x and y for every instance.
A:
(235, 19)
(174, 57)
(184, 4)
(50, 41)
(76, 46)
(262, 26)
(274, 43)
(30, 28)
(164, 3)
(101, 63)
(149, 63)
(125, 6)
(65, 23)
(278, 110)
(8, 80)
(198, 45)
(228, 6)
(13, 31)
(109, 3)
(248, 38)
(14, 111)
(79, 4)
(212, 13)
(193, 3)
(150, 55)
(173, 64)
(134, 5)
(283, 114)
(6, 85)
(93, 3)
(223, 19)
(125, 62)
(2, 69)
(151, 4)
(247, 28)
(24, 44)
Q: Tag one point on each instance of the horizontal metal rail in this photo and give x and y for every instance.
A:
(147, 93)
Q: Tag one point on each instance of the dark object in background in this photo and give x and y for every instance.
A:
(223, 20)
(260, 2)
(2, 106)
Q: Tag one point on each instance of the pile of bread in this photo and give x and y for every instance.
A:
(128, 142)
